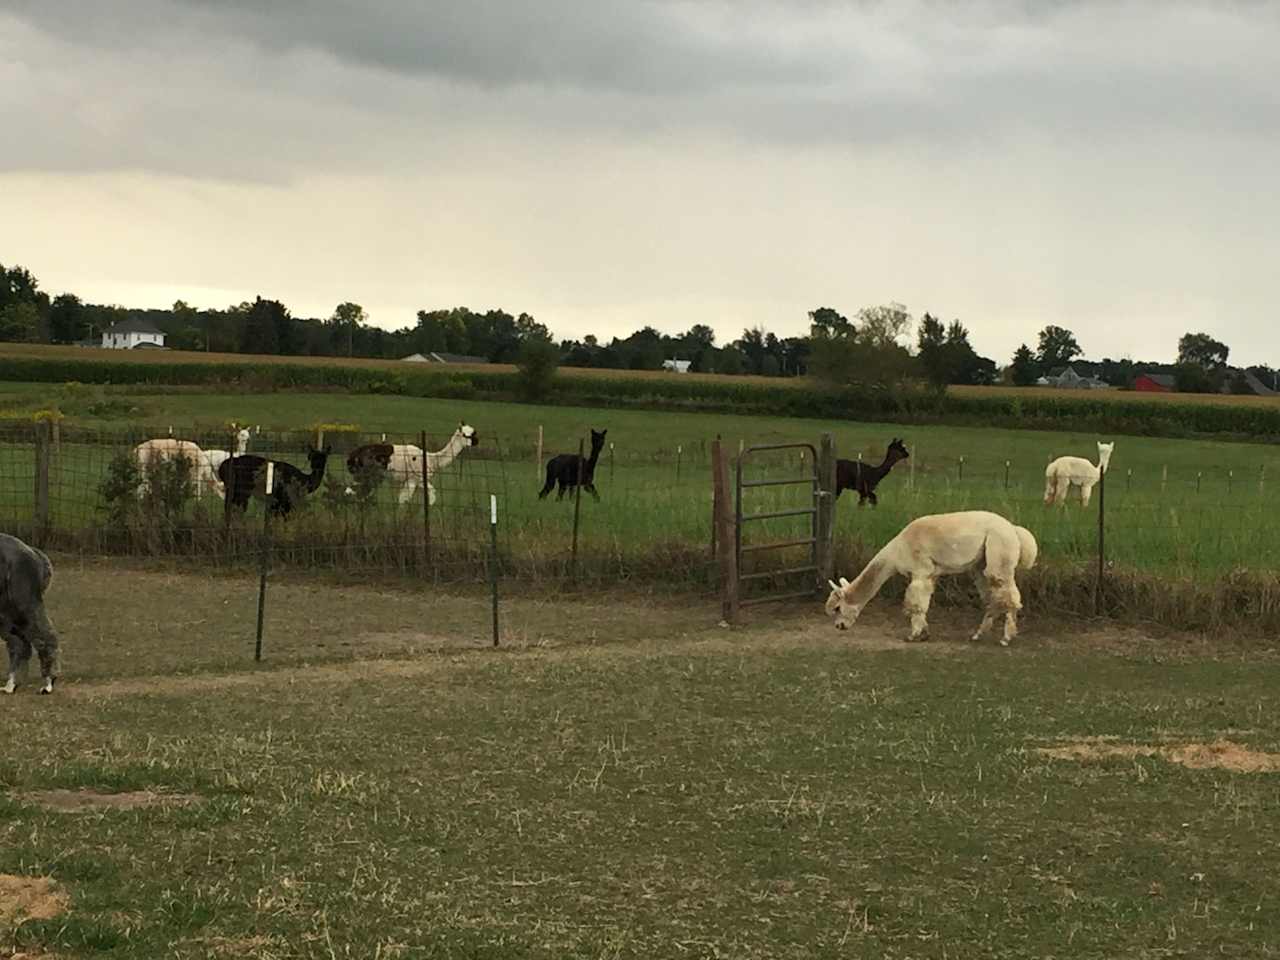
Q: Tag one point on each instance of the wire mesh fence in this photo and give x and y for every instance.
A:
(88, 490)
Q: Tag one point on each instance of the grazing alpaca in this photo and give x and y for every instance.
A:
(153, 451)
(246, 476)
(215, 457)
(1067, 472)
(403, 461)
(25, 573)
(856, 475)
(930, 547)
(565, 469)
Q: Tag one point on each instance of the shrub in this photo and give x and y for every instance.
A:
(538, 363)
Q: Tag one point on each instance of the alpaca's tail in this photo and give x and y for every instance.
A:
(1028, 550)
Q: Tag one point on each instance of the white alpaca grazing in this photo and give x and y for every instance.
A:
(1067, 472)
(203, 476)
(403, 461)
(983, 543)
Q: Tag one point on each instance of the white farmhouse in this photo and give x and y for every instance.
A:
(676, 366)
(131, 333)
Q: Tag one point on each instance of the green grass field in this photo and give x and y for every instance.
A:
(1175, 507)
(627, 780)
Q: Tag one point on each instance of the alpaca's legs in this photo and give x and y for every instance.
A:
(549, 485)
(591, 489)
(1008, 598)
(19, 653)
(431, 494)
(1086, 492)
(872, 497)
(988, 611)
(408, 489)
(916, 605)
(43, 637)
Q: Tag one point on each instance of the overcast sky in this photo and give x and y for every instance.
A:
(1110, 167)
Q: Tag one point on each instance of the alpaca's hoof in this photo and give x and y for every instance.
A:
(8, 687)
(47, 688)
(975, 638)
(1004, 641)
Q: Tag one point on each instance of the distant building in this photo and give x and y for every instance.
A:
(131, 333)
(676, 366)
(1154, 383)
(442, 358)
(1067, 378)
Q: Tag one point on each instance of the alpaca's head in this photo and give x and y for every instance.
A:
(840, 607)
(242, 441)
(318, 458)
(896, 451)
(597, 439)
(1104, 454)
(468, 433)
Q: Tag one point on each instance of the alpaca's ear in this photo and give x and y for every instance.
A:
(844, 582)
(834, 585)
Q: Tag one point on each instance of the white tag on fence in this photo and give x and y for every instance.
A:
(493, 509)
(270, 476)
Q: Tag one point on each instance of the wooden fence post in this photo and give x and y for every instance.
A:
(724, 532)
(426, 503)
(41, 531)
(1102, 542)
(537, 457)
(824, 549)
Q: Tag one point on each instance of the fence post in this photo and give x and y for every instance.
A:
(1102, 542)
(1006, 474)
(1164, 477)
(1128, 478)
(41, 532)
(1262, 478)
(426, 503)
(537, 457)
(960, 471)
(264, 561)
(824, 549)
(610, 461)
(233, 482)
(319, 438)
(577, 512)
(493, 560)
(724, 531)
(679, 459)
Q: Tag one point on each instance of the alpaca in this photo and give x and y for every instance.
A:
(1067, 472)
(566, 469)
(25, 573)
(245, 476)
(983, 543)
(403, 461)
(203, 474)
(215, 457)
(856, 475)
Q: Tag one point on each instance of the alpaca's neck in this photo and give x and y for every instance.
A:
(873, 576)
(595, 455)
(314, 478)
(445, 455)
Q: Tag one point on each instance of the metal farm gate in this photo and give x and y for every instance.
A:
(816, 478)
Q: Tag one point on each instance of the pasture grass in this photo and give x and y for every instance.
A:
(665, 789)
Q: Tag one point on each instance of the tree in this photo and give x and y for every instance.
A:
(262, 325)
(20, 322)
(1058, 347)
(66, 318)
(1202, 350)
(883, 326)
(1025, 369)
(538, 360)
(931, 344)
(1193, 378)
(826, 322)
(348, 317)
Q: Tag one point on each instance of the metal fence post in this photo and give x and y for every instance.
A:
(493, 560)
(264, 561)
(577, 512)
(1098, 601)
(825, 546)
(426, 503)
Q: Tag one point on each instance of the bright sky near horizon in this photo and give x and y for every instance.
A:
(605, 164)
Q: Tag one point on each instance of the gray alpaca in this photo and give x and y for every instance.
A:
(24, 577)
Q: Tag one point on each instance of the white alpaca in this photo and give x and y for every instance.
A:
(403, 461)
(984, 543)
(151, 452)
(1067, 472)
(216, 457)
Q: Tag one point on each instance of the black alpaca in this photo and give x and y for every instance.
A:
(565, 469)
(856, 475)
(246, 476)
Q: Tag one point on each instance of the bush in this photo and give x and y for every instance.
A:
(539, 360)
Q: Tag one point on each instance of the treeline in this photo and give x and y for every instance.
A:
(266, 326)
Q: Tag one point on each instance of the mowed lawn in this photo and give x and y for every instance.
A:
(623, 778)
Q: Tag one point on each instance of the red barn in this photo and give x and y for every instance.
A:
(1153, 383)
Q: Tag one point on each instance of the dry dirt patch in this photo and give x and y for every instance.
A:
(83, 801)
(29, 898)
(1216, 755)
